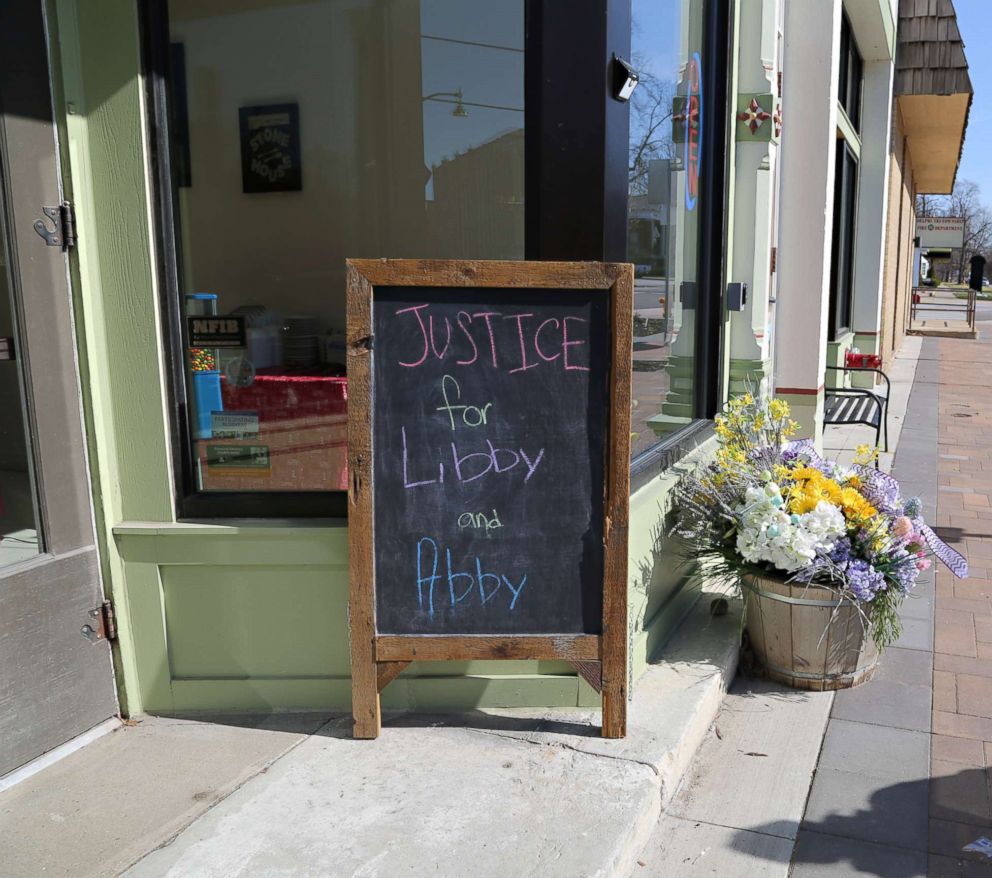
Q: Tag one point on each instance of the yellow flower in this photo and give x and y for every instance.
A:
(878, 526)
(806, 473)
(729, 459)
(810, 488)
(807, 498)
(865, 455)
(778, 409)
(855, 507)
(803, 501)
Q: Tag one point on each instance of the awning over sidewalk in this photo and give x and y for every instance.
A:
(933, 90)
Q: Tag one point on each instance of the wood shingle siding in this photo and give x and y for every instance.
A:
(930, 57)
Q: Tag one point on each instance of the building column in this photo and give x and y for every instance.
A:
(873, 176)
(758, 125)
(809, 100)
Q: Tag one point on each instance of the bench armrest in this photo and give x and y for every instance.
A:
(885, 378)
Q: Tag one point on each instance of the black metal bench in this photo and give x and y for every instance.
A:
(859, 405)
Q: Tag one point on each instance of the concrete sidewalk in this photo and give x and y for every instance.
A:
(484, 794)
(750, 795)
(490, 793)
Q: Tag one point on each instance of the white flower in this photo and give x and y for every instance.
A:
(767, 533)
(826, 523)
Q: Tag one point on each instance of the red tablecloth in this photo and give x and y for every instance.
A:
(279, 394)
(303, 424)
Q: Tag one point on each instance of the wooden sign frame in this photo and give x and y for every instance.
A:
(376, 659)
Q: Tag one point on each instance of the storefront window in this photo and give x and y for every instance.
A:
(849, 87)
(842, 256)
(18, 512)
(302, 134)
(851, 74)
(667, 140)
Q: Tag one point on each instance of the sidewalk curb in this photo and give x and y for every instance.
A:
(677, 699)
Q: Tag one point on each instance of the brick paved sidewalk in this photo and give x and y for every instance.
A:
(961, 746)
(904, 779)
(868, 807)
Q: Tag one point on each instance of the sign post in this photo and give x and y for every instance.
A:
(488, 457)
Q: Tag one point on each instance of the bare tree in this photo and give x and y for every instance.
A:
(931, 205)
(965, 202)
(650, 128)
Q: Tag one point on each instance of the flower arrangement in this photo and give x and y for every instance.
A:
(769, 505)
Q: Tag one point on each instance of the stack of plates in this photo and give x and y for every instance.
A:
(252, 313)
(300, 341)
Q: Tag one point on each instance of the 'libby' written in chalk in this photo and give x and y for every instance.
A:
(511, 342)
(467, 467)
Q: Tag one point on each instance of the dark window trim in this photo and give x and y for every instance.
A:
(851, 74)
(576, 145)
(710, 314)
(847, 173)
(662, 457)
(844, 238)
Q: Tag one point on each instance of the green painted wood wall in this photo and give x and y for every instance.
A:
(217, 616)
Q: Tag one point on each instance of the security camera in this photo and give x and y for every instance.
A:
(625, 79)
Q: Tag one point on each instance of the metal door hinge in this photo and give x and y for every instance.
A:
(63, 231)
(773, 260)
(103, 624)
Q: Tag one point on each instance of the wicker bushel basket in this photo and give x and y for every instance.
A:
(805, 636)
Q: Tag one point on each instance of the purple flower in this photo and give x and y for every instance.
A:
(904, 570)
(841, 552)
(864, 580)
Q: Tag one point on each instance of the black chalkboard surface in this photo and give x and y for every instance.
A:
(488, 466)
(489, 418)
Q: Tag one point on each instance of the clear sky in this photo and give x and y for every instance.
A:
(975, 21)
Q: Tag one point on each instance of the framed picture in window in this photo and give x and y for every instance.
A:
(270, 148)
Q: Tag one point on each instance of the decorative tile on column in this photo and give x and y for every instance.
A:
(759, 118)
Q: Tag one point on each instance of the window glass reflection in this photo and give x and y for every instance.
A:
(666, 143)
(18, 513)
(305, 133)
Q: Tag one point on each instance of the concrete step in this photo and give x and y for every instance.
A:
(484, 793)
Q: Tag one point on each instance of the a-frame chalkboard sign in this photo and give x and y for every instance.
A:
(488, 455)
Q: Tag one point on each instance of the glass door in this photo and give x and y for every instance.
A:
(19, 538)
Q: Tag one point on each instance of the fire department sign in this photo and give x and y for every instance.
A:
(941, 231)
